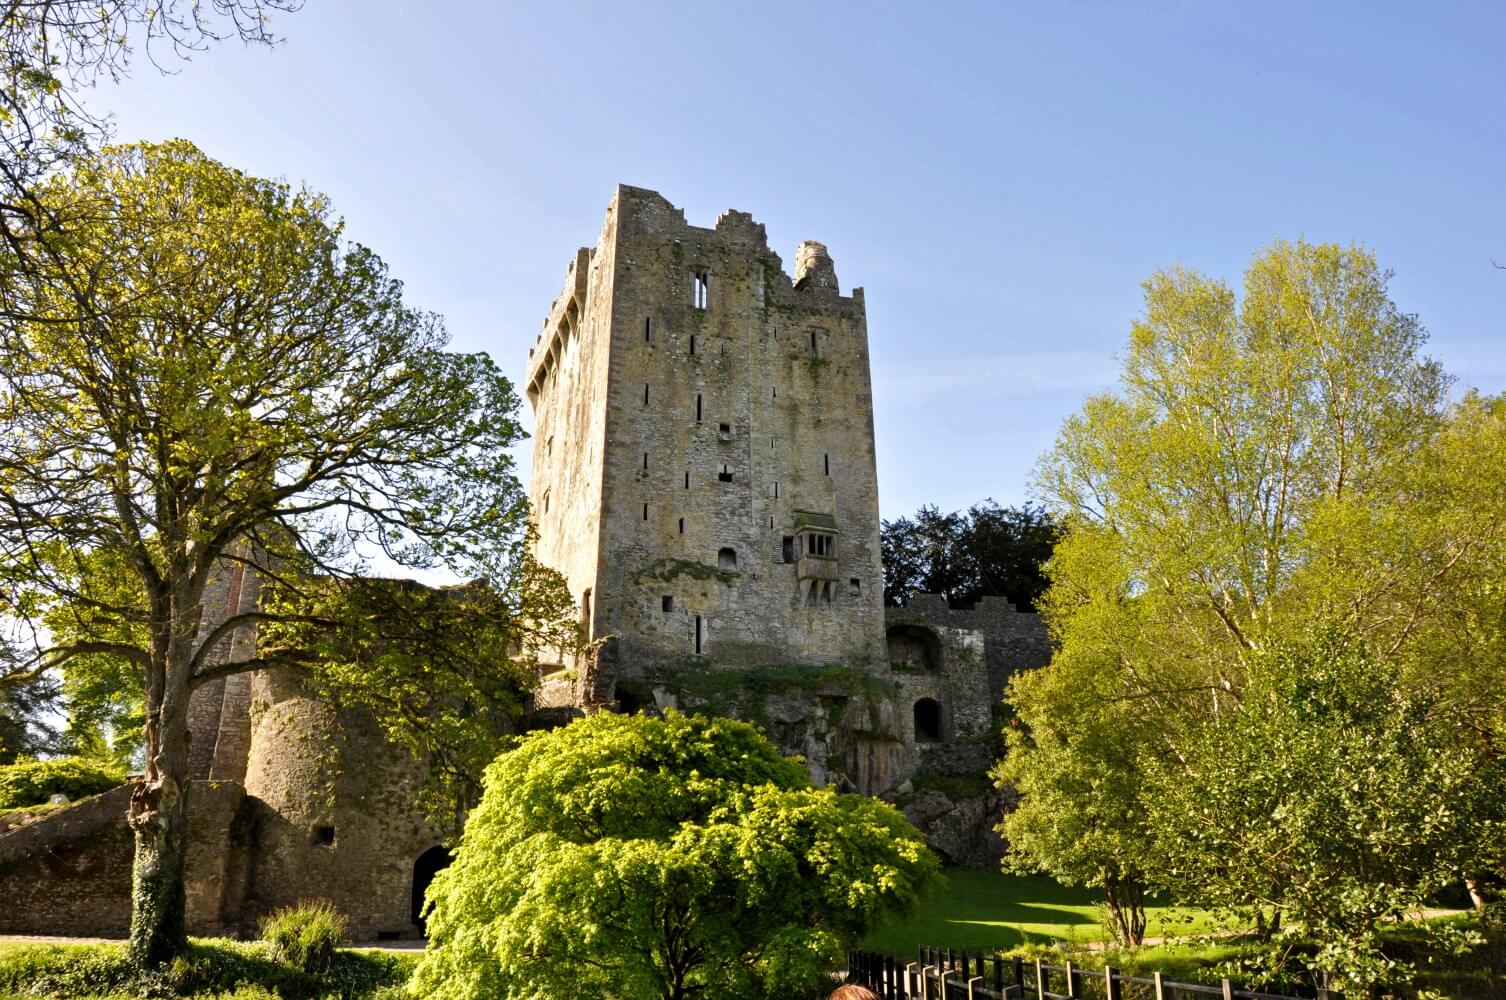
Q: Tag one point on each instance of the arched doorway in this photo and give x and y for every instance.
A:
(927, 720)
(429, 864)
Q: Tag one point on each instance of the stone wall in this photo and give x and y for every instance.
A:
(1012, 640)
(70, 872)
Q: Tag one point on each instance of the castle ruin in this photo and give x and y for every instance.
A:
(704, 478)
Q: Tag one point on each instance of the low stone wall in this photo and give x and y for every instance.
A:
(70, 872)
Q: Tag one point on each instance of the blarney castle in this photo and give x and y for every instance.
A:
(704, 477)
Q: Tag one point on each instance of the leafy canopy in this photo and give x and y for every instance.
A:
(986, 550)
(1276, 465)
(626, 856)
(200, 376)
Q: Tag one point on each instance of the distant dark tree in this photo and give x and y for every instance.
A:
(987, 550)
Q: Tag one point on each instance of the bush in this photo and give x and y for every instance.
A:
(306, 936)
(638, 858)
(33, 782)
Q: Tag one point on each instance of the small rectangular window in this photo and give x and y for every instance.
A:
(668, 603)
(787, 548)
(697, 407)
(687, 480)
(324, 836)
(724, 428)
(698, 635)
(702, 289)
(692, 343)
(855, 586)
(826, 460)
(645, 394)
(814, 345)
(776, 490)
(725, 475)
(645, 459)
(682, 526)
(776, 392)
(648, 329)
(645, 512)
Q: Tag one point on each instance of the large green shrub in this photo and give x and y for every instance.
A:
(32, 782)
(630, 857)
(306, 936)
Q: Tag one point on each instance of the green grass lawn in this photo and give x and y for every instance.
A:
(990, 911)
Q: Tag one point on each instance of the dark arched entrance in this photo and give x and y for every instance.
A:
(927, 720)
(429, 864)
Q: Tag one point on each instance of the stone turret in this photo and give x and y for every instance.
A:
(813, 267)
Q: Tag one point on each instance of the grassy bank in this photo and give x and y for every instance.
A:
(990, 911)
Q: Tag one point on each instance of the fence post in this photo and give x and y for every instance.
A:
(975, 988)
(1228, 990)
(1112, 988)
(1019, 977)
(999, 976)
(1040, 980)
(1072, 991)
(1160, 985)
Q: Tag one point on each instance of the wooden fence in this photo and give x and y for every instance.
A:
(943, 974)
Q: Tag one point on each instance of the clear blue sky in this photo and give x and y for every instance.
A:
(999, 177)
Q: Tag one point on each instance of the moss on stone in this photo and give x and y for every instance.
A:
(667, 570)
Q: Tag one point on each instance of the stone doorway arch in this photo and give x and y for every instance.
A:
(430, 863)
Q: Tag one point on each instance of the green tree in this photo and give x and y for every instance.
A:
(987, 550)
(1276, 465)
(50, 54)
(198, 373)
(632, 857)
(1332, 791)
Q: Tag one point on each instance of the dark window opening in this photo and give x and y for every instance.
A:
(913, 648)
(855, 586)
(776, 392)
(687, 480)
(430, 863)
(692, 343)
(648, 329)
(645, 459)
(667, 603)
(645, 394)
(682, 526)
(725, 475)
(826, 462)
(628, 703)
(927, 720)
(324, 836)
(776, 490)
(698, 635)
(702, 287)
(814, 346)
(726, 559)
(698, 407)
(645, 512)
(787, 548)
(724, 428)
(821, 545)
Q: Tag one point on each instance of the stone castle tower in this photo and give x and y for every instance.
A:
(703, 465)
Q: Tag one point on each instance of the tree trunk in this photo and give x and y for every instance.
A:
(158, 815)
(159, 930)
(1126, 903)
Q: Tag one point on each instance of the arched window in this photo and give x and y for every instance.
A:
(429, 864)
(927, 720)
(726, 559)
